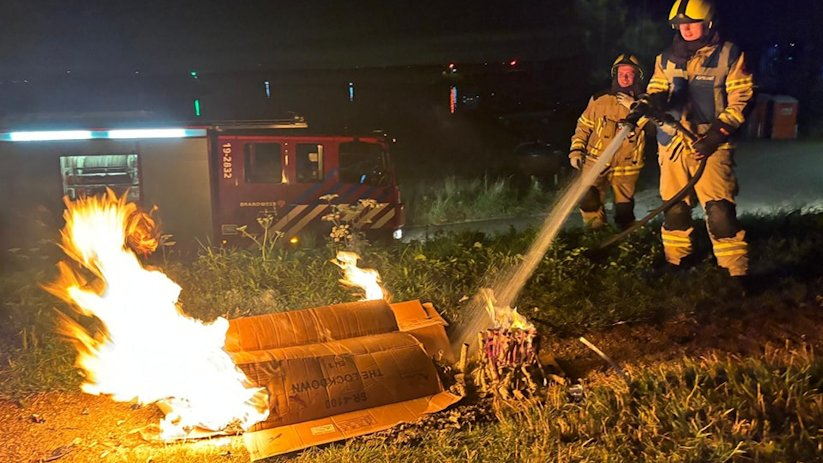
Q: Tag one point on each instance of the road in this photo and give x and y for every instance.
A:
(774, 176)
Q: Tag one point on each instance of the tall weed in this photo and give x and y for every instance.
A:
(455, 199)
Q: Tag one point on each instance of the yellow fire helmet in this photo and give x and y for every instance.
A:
(628, 60)
(691, 11)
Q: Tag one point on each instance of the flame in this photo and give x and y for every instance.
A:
(145, 349)
(366, 278)
(504, 317)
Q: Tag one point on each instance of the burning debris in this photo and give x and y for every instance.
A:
(144, 348)
(365, 278)
(319, 375)
(507, 360)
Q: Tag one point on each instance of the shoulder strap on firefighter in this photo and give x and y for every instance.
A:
(734, 54)
(665, 61)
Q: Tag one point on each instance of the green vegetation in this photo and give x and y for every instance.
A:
(719, 408)
(713, 409)
(456, 199)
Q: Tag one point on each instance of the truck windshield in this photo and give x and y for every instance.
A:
(263, 163)
(364, 163)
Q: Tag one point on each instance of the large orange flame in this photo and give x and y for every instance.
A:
(365, 278)
(145, 349)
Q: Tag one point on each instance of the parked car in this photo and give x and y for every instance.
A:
(543, 140)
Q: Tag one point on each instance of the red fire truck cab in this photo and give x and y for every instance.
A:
(208, 181)
(291, 180)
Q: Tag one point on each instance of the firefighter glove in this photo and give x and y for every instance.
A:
(576, 159)
(718, 133)
(639, 107)
(625, 100)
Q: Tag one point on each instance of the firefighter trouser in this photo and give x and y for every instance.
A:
(715, 191)
(622, 185)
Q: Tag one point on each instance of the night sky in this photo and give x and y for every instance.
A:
(115, 38)
(52, 36)
(118, 37)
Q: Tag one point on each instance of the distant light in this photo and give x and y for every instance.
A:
(294, 240)
(513, 62)
(58, 135)
(267, 84)
(155, 133)
(351, 91)
(193, 74)
(48, 135)
(197, 107)
(453, 99)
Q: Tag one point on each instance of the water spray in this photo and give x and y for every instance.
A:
(511, 281)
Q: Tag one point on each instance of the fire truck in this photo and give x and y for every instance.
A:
(211, 183)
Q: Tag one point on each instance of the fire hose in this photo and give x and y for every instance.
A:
(661, 119)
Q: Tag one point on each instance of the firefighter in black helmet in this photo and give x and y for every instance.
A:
(703, 81)
(596, 127)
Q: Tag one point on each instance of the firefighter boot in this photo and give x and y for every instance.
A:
(591, 208)
(624, 214)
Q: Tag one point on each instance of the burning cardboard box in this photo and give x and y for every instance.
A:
(291, 379)
(340, 371)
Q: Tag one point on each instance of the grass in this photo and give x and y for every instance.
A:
(570, 292)
(714, 409)
(455, 199)
(719, 408)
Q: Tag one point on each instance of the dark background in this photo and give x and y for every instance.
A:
(95, 63)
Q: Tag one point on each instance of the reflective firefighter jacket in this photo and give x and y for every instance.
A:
(712, 84)
(596, 128)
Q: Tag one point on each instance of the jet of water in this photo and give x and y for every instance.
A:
(510, 282)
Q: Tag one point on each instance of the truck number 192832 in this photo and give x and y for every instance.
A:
(227, 169)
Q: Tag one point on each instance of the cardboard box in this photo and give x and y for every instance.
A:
(321, 380)
(319, 324)
(424, 323)
(340, 371)
(276, 441)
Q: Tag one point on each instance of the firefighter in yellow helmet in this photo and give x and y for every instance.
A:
(703, 81)
(595, 129)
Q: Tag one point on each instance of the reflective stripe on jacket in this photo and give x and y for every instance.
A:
(712, 84)
(596, 128)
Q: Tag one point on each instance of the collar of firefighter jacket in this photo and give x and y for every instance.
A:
(682, 51)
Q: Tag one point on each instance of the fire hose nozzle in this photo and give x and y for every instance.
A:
(641, 107)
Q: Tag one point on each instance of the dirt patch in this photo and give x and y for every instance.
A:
(78, 427)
